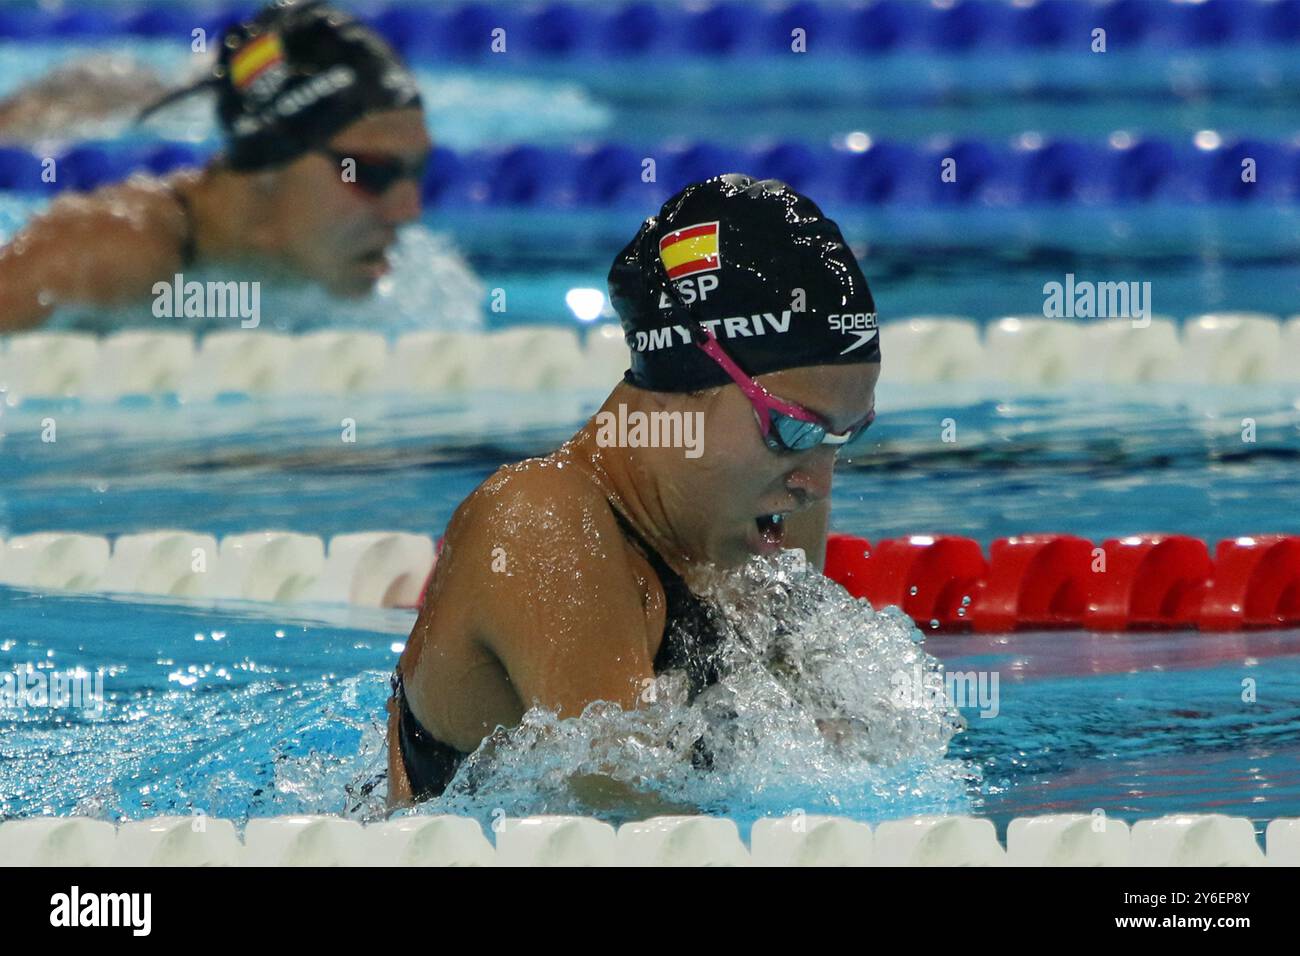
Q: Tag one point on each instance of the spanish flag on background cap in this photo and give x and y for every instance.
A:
(691, 250)
(255, 59)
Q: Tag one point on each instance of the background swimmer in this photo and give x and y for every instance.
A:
(568, 579)
(326, 146)
(92, 89)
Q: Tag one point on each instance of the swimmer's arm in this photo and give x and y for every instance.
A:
(80, 252)
(565, 619)
(563, 615)
(807, 530)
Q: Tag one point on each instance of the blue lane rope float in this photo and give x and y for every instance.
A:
(1024, 172)
(727, 28)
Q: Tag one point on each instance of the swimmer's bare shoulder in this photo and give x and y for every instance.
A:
(100, 248)
(534, 576)
(535, 583)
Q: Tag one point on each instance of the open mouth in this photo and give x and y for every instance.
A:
(374, 262)
(771, 528)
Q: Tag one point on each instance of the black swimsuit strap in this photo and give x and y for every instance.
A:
(667, 576)
(690, 633)
(430, 764)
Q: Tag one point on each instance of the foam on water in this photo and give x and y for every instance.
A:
(431, 286)
(806, 715)
(241, 710)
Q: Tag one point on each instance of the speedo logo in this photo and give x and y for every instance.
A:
(862, 325)
(735, 326)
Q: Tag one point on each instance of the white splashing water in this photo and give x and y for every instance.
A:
(430, 287)
(805, 716)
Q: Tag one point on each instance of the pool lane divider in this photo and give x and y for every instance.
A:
(1050, 581)
(1028, 173)
(1010, 353)
(943, 582)
(739, 32)
(1091, 839)
(258, 362)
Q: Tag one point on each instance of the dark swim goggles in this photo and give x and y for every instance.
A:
(375, 175)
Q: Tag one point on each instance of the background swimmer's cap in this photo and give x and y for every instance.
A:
(297, 73)
(745, 255)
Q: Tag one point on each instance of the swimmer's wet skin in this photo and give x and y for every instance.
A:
(102, 86)
(301, 88)
(567, 579)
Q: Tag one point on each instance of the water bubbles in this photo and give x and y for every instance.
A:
(431, 287)
(814, 708)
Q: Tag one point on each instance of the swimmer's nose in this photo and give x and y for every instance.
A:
(811, 480)
(402, 203)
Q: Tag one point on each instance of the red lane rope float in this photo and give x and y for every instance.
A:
(1045, 581)
(1256, 584)
(1061, 581)
(1034, 581)
(930, 578)
(1149, 582)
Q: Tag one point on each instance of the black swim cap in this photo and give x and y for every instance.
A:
(754, 262)
(295, 75)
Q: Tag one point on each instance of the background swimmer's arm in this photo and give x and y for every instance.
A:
(807, 530)
(82, 251)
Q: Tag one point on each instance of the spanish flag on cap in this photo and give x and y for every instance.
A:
(691, 250)
(255, 59)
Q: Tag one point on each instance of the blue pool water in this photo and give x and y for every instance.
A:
(1080, 462)
(972, 260)
(244, 710)
(465, 109)
(251, 711)
(901, 95)
(978, 263)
